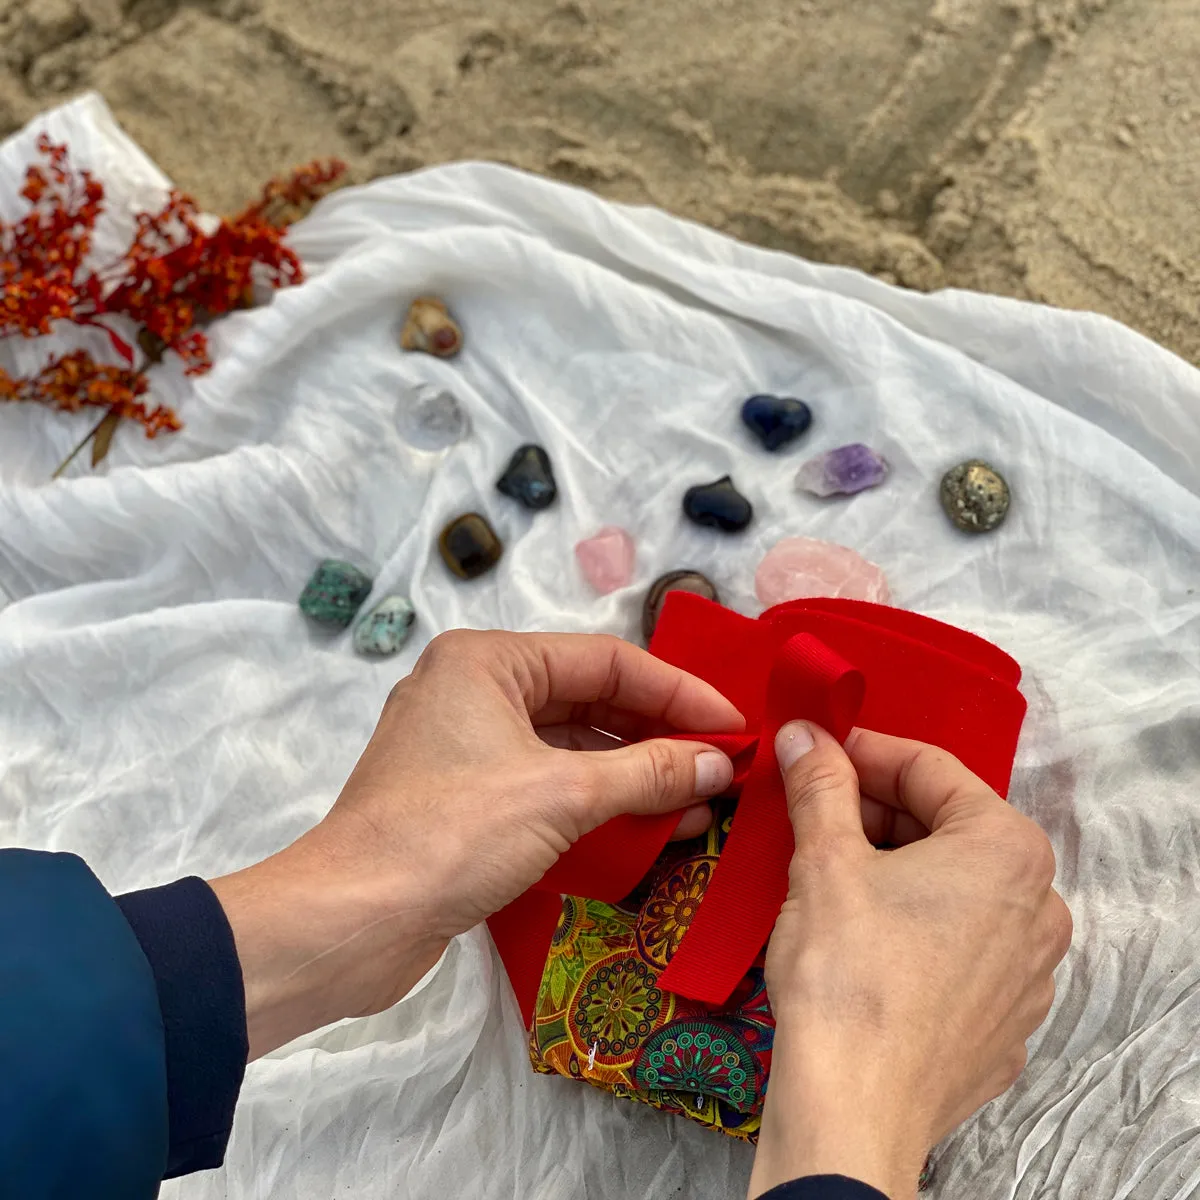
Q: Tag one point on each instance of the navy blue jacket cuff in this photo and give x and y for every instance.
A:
(823, 1187)
(186, 938)
(82, 1078)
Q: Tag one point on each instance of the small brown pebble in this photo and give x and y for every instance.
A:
(469, 546)
(975, 496)
(673, 581)
(430, 328)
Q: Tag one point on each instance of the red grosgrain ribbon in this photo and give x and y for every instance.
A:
(835, 662)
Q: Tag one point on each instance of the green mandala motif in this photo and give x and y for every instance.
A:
(698, 1059)
(616, 1006)
(586, 930)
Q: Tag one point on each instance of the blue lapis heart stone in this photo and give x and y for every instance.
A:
(776, 420)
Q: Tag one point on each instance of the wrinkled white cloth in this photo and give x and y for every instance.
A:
(164, 709)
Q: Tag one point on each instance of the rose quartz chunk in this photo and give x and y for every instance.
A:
(606, 559)
(798, 567)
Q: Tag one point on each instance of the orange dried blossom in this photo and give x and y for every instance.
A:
(180, 271)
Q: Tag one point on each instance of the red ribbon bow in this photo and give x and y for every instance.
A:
(835, 662)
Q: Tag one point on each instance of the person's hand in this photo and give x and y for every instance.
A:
(904, 982)
(483, 769)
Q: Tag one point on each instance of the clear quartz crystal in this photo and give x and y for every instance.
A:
(432, 419)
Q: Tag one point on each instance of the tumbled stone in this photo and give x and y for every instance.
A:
(975, 496)
(469, 546)
(386, 627)
(434, 420)
(430, 327)
(673, 581)
(718, 505)
(335, 593)
(846, 470)
(606, 559)
(529, 478)
(776, 420)
(797, 567)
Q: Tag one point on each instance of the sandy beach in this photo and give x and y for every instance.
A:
(1044, 149)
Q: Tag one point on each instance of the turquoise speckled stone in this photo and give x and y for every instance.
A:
(335, 593)
(385, 628)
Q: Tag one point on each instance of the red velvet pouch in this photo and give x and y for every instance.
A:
(637, 964)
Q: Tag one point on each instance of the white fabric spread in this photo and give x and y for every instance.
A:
(164, 709)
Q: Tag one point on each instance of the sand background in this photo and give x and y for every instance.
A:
(1044, 149)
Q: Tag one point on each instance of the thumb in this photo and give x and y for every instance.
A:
(820, 781)
(655, 776)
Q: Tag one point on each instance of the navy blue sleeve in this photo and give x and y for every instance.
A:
(83, 1087)
(823, 1187)
(185, 935)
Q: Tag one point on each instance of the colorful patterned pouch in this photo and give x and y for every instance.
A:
(637, 962)
(601, 1017)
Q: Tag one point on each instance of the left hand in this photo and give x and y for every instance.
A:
(481, 772)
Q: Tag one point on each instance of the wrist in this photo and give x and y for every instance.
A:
(833, 1110)
(319, 939)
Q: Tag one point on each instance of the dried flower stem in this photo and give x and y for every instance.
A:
(66, 462)
(173, 278)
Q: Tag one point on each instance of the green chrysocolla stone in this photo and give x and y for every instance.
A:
(335, 593)
(385, 628)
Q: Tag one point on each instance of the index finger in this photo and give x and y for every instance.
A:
(914, 777)
(575, 675)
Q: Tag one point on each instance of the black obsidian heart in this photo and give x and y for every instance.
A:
(529, 478)
(719, 505)
(776, 420)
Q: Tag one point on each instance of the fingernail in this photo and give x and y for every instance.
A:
(714, 773)
(792, 742)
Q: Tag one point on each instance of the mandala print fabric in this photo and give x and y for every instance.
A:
(602, 1019)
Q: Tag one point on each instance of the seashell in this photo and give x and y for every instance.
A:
(430, 327)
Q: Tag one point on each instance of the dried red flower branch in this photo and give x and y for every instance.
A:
(74, 381)
(181, 271)
(285, 201)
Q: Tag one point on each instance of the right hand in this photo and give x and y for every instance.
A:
(904, 982)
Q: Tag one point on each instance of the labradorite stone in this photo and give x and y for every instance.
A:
(529, 478)
(975, 496)
(335, 593)
(718, 505)
(469, 546)
(386, 627)
(673, 581)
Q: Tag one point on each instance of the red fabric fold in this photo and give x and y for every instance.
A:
(835, 662)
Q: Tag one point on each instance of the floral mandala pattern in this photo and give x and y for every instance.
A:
(602, 1019)
(698, 1059)
(751, 1012)
(569, 921)
(616, 1007)
(586, 930)
(665, 917)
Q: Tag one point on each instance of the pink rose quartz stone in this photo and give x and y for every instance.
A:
(606, 559)
(798, 567)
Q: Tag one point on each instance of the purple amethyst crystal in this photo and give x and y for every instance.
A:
(846, 470)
